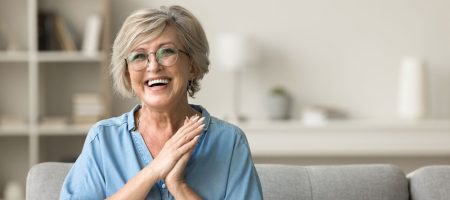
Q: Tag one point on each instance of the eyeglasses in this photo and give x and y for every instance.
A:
(165, 56)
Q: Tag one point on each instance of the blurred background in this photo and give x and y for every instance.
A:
(309, 82)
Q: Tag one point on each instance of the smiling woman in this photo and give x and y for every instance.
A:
(164, 148)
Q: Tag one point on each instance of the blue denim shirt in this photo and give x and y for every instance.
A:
(220, 167)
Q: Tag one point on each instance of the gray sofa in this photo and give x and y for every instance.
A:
(280, 182)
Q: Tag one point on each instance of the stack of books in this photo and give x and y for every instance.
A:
(87, 108)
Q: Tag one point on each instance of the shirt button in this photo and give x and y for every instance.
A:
(163, 186)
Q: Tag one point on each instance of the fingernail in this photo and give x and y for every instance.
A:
(201, 119)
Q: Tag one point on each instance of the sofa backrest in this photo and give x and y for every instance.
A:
(430, 182)
(333, 182)
(44, 180)
(327, 182)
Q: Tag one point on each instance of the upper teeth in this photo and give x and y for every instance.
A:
(165, 81)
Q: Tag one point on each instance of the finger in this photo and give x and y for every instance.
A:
(188, 146)
(191, 126)
(190, 136)
(188, 122)
(185, 129)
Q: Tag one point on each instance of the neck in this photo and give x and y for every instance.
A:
(167, 120)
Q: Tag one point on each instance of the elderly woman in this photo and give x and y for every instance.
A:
(163, 148)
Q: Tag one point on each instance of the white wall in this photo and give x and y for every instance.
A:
(342, 53)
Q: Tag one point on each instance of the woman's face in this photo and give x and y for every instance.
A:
(157, 86)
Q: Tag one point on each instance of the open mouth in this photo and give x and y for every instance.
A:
(157, 82)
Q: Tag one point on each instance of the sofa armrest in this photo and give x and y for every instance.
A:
(44, 180)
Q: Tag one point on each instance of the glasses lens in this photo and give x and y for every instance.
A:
(167, 56)
(137, 60)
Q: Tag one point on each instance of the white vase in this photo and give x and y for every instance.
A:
(412, 89)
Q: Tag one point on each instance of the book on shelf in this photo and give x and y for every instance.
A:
(65, 36)
(92, 35)
(46, 31)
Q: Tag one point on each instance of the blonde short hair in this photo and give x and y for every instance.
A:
(145, 25)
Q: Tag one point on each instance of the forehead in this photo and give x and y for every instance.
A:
(167, 37)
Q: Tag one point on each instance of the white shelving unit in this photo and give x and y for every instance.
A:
(350, 138)
(36, 84)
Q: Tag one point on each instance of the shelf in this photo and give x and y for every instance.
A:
(60, 56)
(62, 130)
(14, 130)
(350, 138)
(349, 125)
(20, 56)
(36, 84)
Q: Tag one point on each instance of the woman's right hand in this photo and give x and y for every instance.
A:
(178, 145)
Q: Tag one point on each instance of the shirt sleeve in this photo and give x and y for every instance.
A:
(243, 181)
(85, 179)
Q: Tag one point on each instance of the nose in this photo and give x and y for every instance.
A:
(152, 63)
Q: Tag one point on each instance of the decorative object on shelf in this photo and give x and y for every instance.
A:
(319, 115)
(92, 33)
(412, 91)
(87, 108)
(13, 191)
(279, 104)
(235, 51)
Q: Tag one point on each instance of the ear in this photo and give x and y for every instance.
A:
(193, 71)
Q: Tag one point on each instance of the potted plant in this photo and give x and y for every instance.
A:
(278, 103)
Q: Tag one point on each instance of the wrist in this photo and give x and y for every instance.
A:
(151, 170)
(181, 190)
(175, 185)
(177, 189)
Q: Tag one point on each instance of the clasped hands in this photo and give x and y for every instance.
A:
(170, 163)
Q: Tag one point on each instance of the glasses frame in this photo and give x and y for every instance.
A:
(157, 59)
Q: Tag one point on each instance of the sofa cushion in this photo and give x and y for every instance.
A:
(333, 182)
(284, 182)
(431, 182)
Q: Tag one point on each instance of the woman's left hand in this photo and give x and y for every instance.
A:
(175, 181)
(175, 178)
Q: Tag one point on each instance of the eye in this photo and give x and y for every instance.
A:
(137, 56)
(165, 52)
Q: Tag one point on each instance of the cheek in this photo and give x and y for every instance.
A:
(135, 79)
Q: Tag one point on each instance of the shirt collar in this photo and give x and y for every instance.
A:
(203, 111)
(130, 120)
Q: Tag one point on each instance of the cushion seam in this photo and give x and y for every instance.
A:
(310, 183)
